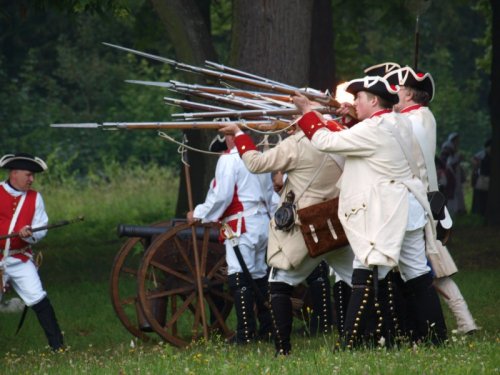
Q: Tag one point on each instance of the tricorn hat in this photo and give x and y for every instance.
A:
(375, 85)
(408, 77)
(218, 144)
(381, 69)
(23, 161)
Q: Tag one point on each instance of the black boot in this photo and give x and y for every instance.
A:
(281, 308)
(244, 305)
(424, 302)
(387, 320)
(341, 296)
(47, 318)
(403, 314)
(320, 319)
(264, 310)
(360, 322)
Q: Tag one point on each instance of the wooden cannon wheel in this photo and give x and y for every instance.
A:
(123, 284)
(167, 286)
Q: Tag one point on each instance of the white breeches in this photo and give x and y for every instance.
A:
(340, 260)
(412, 260)
(23, 276)
(252, 245)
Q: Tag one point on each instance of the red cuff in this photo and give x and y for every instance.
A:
(244, 143)
(310, 123)
(349, 121)
(334, 126)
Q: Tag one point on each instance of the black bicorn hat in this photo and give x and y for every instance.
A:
(376, 85)
(408, 77)
(23, 161)
(381, 69)
(218, 144)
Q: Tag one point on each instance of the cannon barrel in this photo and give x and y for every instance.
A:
(125, 230)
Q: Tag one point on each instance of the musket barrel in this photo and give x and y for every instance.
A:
(194, 105)
(326, 99)
(262, 125)
(250, 113)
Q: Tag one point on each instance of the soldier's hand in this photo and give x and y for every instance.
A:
(302, 103)
(25, 232)
(190, 218)
(229, 129)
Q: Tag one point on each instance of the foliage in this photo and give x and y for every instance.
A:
(451, 40)
(81, 81)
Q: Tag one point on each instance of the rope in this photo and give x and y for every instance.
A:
(183, 147)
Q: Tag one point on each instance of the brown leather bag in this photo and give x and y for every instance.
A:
(321, 227)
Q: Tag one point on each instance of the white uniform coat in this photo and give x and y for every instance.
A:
(296, 157)
(423, 122)
(235, 190)
(373, 202)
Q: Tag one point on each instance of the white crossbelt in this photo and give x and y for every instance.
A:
(246, 213)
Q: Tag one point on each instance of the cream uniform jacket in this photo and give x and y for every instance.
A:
(423, 126)
(374, 202)
(300, 160)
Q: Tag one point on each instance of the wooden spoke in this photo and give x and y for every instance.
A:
(123, 283)
(167, 271)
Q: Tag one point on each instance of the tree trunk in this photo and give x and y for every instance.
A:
(493, 210)
(187, 23)
(322, 57)
(272, 38)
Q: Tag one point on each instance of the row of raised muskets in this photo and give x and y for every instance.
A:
(269, 109)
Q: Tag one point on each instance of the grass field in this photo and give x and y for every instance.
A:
(75, 272)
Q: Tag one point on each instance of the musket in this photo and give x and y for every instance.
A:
(194, 105)
(249, 113)
(281, 88)
(183, 88)
(231, 91)
(238, 102)
(224, 68)
(172, 85)
(45, 227)
(259, 125)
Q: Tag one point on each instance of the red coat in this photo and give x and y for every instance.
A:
(8, 205)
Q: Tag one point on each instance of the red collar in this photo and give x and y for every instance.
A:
(411, 108)
(381, 112)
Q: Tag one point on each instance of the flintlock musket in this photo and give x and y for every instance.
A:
(172, 85)
(324, 99)
(45, 227)
(194, 105)
(259, 125)
(249, 113)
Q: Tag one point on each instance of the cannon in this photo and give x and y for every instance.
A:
(158, 261)
(153, 283)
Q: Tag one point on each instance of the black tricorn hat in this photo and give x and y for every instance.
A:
(218, 144)
(23, 161)
(381, 69)
(375, 85)
(408, 77)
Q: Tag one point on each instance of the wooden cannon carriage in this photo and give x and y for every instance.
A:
(154, 283)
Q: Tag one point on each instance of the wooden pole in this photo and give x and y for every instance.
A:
(199, 283)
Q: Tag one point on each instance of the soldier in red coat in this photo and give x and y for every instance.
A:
(22, 209)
